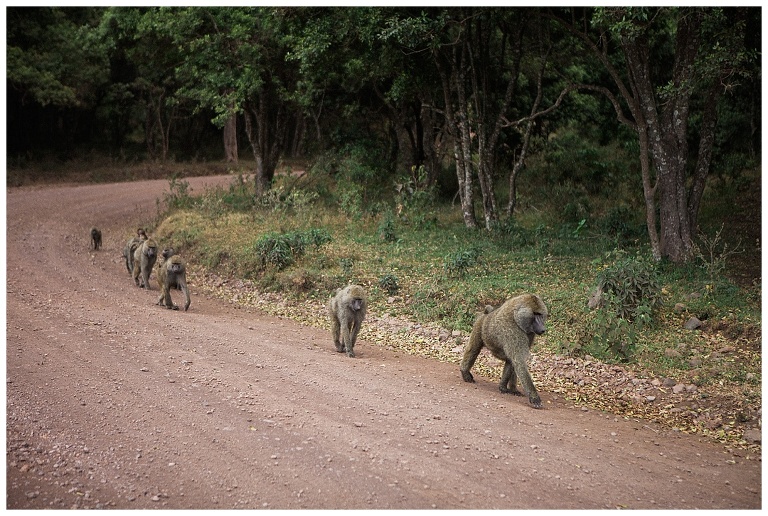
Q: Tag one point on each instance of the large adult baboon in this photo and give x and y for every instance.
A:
(95, 239)
(508, 333)
(130, 249)
(347, 311)
(172, 274)
(144, 259)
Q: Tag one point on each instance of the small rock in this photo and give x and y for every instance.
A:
(650, 398)
(692, 324)
(456, 333)
(672, 353)
(691, 388)
(695, 362)
(678, 389)
(680, 308)
(753, 435)
(595, 299)
(669, 382)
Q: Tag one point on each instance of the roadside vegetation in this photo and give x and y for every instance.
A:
(286, 253)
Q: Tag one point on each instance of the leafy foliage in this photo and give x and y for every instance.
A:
(281, 249)
(631, 287)
(458, 263)
(388, 283)
(630, 295)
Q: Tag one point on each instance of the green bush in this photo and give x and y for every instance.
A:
(457, 264)
(178, 197)
(281, 249)
(630, 295)
(386, 228)
(388, 283)
(630, 287)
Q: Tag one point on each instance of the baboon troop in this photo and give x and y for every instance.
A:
(95, 239)
(141, 255)
(508, 333)
(347, 311)
(172, 273)
(144, 259)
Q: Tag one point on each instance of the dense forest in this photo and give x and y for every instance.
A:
(467, 101)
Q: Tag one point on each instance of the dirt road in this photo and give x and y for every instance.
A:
(113, 402)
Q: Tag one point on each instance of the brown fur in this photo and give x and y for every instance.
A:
(172, 274)
(144, 259)
(508, 333)
(347, 311)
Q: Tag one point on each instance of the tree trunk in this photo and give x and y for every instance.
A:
(265, 127)
(707, 142)
(230, 139)
(459, 133)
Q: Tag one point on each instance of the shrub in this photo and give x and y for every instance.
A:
(281, 249)
(630, 294)
(387, 227)
(388, 283)
(457, 264)
(629, 287)
(178, 197)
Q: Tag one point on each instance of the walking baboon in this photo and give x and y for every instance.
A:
(144, 259)
(347, 311)
(508, 333)
(173, 274)
(95, 239)
(130, 249)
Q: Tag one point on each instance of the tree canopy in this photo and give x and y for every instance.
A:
(461, 99)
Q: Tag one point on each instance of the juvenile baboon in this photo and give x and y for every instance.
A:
(508, 333)
(130, 248)
(144, 259)
(172, 274)
(95, 239)
(347, 311)
(167, 253)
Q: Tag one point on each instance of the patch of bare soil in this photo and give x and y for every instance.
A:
(115, 402)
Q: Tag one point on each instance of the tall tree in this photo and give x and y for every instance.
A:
(233, 62)
(676, 64)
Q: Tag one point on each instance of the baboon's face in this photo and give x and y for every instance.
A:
(538, 323)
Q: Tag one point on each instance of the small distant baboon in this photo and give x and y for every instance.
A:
(172, 274)
(144, 259)
(508, 333)
(167, 253)
(130, 249)
(347, 311)
(95, 239)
